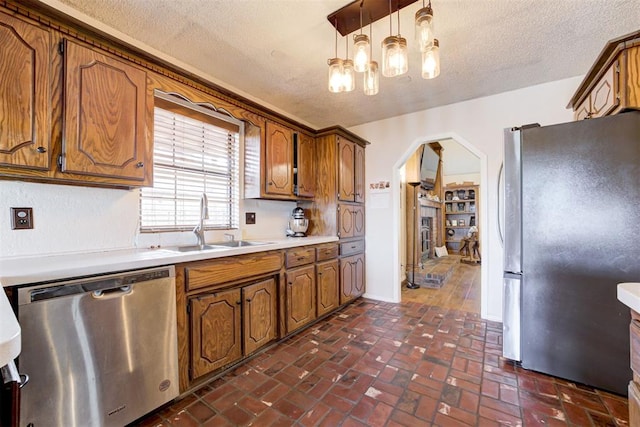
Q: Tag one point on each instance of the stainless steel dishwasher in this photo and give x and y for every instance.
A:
(100, 351)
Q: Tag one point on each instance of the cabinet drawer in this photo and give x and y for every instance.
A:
(634, 334)
(297, 257)
(350, 248)
(326, 252)
(223, 270)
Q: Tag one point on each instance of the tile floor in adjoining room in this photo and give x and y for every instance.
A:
(384, 364)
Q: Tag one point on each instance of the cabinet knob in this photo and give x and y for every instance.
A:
(239, 302)
(139, 164)
(271, 183)
(248, 299)
(41, 150)
(319, 274)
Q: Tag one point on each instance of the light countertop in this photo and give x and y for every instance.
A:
(45, 268)
(629, 295)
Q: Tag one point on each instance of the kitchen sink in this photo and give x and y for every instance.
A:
(239, 243)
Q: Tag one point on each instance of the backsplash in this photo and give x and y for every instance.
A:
(84, 219)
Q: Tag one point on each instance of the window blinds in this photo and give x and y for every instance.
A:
(191, 156)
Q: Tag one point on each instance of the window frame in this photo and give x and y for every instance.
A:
(179, 104)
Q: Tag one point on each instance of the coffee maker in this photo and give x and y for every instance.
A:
(298, 224)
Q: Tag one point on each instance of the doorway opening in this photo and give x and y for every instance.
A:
(440, 203)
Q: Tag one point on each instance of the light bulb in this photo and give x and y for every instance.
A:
(424, 28)
(335, 75)
(394, 56)
(371, 79)
(431, 61)
(361, 52)
(348, 76)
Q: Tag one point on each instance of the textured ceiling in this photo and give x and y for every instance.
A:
(276, 51)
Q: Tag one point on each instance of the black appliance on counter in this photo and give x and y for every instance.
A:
(572, 222)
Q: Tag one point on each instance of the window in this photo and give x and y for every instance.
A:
(195, 151)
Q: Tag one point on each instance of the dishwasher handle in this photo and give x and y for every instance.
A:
(112, 292)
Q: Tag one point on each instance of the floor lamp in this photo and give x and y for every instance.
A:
(412, 284)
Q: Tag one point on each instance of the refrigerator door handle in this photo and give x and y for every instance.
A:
(500, 196)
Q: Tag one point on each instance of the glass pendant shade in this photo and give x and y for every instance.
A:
(361, 53)
(394, 56)
(335, 75)
(431, 61)
(348, 76)
(424, 28)
(371, 79)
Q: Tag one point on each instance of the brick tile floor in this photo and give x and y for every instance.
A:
(384, 364)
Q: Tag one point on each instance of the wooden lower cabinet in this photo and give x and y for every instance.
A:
(327, 280)
(227, 325)
(301, 297)
(351, 277)
(634, 404)
(259, 305)
(215, 331)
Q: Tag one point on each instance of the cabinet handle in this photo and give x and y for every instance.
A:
(319, 274)
(300, 258)
(271, 183)
(248, 299)
(41, 150)
(239, 302)
(139, 164)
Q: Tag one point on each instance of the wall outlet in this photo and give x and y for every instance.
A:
(250, 218)
(21, 218)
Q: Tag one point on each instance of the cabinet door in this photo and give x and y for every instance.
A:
(327, 279)
(305, 166)
(358, 221)
(301, 297)
(25, 105)
(605, 95)
(358, 174)
(359, 275)
(346, 279)
(352, 277)
(259, 314)
(346, 159)
(346, 227)
(215, 331)
(279, 160)
(105, 116)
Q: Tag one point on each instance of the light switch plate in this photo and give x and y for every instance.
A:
(21, 218)
(250, 218)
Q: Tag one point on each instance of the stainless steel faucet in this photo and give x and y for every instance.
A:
(204, 214)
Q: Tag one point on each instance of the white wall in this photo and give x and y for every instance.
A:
(82, 219)
(478, 125)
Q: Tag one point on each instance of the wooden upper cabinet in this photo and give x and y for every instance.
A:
(215, 331)
(350, 220)
(346, 168)
(612, 85)
(25, 88)
(259, 302)
(106, 107)
(279, 160)
(305, 166)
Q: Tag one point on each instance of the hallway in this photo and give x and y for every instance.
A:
(461, 291)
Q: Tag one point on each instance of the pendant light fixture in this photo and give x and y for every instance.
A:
(371, 74)
(361, 48)
(335, 70)
(395, 58)
(424, 27)
(431, 61)
(348, 72)
(394, 51)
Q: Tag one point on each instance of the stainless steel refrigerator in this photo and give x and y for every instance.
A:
(571, 234)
